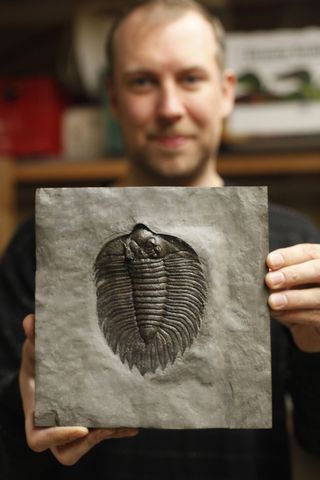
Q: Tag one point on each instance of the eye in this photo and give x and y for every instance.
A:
(192, 80)
(141, 83)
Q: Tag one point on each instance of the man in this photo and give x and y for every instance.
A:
(170, 93)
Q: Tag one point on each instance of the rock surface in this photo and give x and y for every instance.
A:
(223, 379)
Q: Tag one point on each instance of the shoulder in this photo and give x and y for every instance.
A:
(288, 227)
(22, 243)
(24, 238)
(17, 265)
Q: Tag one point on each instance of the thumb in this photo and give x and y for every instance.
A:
(29, 327)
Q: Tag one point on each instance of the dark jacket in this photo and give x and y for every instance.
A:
(154, 454)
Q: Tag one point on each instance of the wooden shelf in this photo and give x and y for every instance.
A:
(14, 173)
(58, 171)
(269, 164)
(110, 169)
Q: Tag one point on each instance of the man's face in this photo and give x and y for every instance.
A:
(168, 93)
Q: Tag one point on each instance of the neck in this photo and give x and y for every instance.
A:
(138, 177)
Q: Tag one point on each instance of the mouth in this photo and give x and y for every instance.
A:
(170, 141)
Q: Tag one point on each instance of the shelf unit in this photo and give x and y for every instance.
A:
(107, 169)
(15, 173)
(19, 25)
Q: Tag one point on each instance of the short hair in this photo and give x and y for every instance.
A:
(172, 9)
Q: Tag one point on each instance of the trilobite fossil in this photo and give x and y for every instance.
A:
(151, 294)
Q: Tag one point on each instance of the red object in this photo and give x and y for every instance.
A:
(30, 116)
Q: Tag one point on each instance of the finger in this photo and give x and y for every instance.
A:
(40, 439)
(69, 454)
(293, 255)
(125, 432)
(29, 327)
(307, 338)
(26, 378)
(300, 274)
(28, 357)
(297, 317)
(304, 299)
(27, 391)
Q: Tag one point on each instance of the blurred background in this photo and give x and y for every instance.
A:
(56, 128)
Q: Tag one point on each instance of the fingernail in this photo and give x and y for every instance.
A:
(275, 279)
(275, 260)
(82, 430)
(277, 300)
(132, 433)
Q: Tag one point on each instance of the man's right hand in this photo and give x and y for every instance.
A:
(68, 444)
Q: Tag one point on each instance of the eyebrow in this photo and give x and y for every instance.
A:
(148, 71)
(139, 71)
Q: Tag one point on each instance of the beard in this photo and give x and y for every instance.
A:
(170, 166)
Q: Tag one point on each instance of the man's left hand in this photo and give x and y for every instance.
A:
(294, 280)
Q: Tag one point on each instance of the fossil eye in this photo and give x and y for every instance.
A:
(152, 247)
(151, 294)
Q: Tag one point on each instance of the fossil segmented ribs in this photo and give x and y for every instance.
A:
(151, 294)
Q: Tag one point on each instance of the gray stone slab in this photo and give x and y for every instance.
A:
(95, 378)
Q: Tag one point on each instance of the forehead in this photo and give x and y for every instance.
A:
(145, 42)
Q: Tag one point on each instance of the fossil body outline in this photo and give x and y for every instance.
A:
(151, 295)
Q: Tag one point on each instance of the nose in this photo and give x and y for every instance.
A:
(170, 105)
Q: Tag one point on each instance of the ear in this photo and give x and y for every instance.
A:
(228, 92)
(112, 96)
